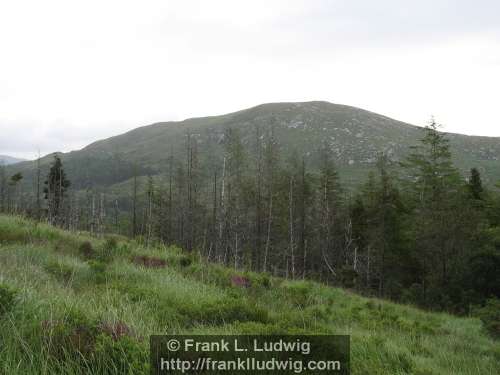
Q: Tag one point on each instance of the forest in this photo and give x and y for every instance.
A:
(416, 231)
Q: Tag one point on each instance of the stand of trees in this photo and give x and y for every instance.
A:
(416, 231)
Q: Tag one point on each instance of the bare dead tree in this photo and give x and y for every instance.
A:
(291, 223)
(134, 204)
(222, 210)
(38, 187)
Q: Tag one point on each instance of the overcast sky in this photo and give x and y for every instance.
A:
(72, 72)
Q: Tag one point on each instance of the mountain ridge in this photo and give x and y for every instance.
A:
(9, 160)
(235, 113)
(355, 137)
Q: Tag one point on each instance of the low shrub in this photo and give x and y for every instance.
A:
(102, 348)
(185, 261)
(86, 250)
(71, 338)
(320, 312)
(108, 251)
(261, 280)
(299, 292)
(348, 277)
(60, 270)
(224, 311)
(7, 299)
(388, 360)
(66, 245)
(215, 274)
(135, 293)
(149, 262)
(231, 310)
(116, 330)
(414, 294)
(490, 316)
(105, 253)
(256, 328)
(98, 269)
(294, 320)
(122, 356)
(240, 281)
(12, 235)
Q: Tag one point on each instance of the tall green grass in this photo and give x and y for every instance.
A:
(65, 309)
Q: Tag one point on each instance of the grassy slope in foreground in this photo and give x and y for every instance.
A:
(75, 315)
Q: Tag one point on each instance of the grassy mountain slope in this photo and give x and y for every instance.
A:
(90, 309)
(355, 136)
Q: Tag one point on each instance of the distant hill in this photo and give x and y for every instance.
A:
(8, 160)
(354, 135)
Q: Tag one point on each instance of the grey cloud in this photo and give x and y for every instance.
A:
(157, 61)
(26, 139)
(330, 26)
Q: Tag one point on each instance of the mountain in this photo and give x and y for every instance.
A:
(355, 137)
(9, 160)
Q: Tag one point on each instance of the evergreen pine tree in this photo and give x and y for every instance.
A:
(475, 184)
(15, 183)
(55, 189)
(439, 221)
(3, 189)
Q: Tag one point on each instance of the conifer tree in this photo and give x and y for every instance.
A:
(55, 189)
(435, 186)
(15, 183)
(386, 222)
(38, 208)
(430, 168)
(3, 189)
(475, 184)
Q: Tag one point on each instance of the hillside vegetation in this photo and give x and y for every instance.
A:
(354, 136)
(74, 304)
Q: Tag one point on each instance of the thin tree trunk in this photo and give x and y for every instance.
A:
(223, 209)
(214, 218)
(38, 202)
(268, 239)
(117, 225)
(305, 261)
(290, 204)
(134, 205)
